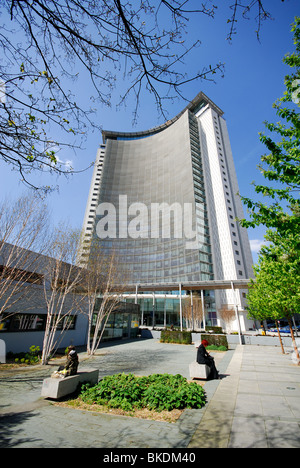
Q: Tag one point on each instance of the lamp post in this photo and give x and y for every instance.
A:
(192, 310)
(237, 314)
(180, 307)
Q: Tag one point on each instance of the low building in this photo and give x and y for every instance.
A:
(26, 286)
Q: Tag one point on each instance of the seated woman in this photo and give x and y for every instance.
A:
(72, 361)
(203, 357)
(71, 365)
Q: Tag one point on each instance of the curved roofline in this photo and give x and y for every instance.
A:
(192, 106)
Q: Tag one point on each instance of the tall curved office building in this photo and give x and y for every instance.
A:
(166, 200)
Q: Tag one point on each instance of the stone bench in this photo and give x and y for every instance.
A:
(59, 387)
(199, 371)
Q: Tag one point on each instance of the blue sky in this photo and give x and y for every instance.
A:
(254, 79)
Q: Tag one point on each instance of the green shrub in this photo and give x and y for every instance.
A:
(176, 336)
(32, 357)
(157, 392)
(216, 340)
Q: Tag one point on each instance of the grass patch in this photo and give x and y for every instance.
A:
(216, 348)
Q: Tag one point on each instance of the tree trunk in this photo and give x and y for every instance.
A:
(293, 340)
(279, 336)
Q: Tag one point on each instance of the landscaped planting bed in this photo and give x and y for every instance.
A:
(156, 392)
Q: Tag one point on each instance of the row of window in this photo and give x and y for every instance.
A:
(175, 267)
(94, 201)
(152, 277)
(169, 247)
(17, 274)
(159, 261)
(205, 265)
(237, 253)
(23, 276)
(33, 322)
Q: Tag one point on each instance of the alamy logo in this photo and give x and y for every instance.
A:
(138, 221)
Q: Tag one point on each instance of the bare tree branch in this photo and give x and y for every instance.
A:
(101, 274)
(47, 45)
(23, 228)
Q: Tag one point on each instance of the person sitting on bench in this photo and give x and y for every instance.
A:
(71, 365)
(72, 361)
(203, 357)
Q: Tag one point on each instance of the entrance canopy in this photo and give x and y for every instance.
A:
(188, 286)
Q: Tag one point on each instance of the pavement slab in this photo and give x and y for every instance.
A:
(255, 403)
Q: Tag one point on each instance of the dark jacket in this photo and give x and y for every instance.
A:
(72, 363)
(202, 356)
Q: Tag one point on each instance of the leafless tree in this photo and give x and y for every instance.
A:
(103, 283)
(227, 314)
(62, 288)
(46, 45)
(193, 315)
(246, 9)
(23, 238)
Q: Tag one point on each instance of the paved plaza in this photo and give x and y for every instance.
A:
(255, 404)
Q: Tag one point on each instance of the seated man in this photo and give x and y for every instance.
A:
(203, 357)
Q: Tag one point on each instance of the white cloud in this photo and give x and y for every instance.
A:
(68, 163)
(256, 244)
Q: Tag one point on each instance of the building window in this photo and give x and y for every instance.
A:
(23, 276)
(23, 322)
(32, 322)
(67, 323)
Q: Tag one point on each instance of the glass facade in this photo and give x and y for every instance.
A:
(149, 181)
(123, 322)
(164, 200)
(205, 260)
(165, 311)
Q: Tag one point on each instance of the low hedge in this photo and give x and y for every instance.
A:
(176, 336)
(216, 330)
(216, 340)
